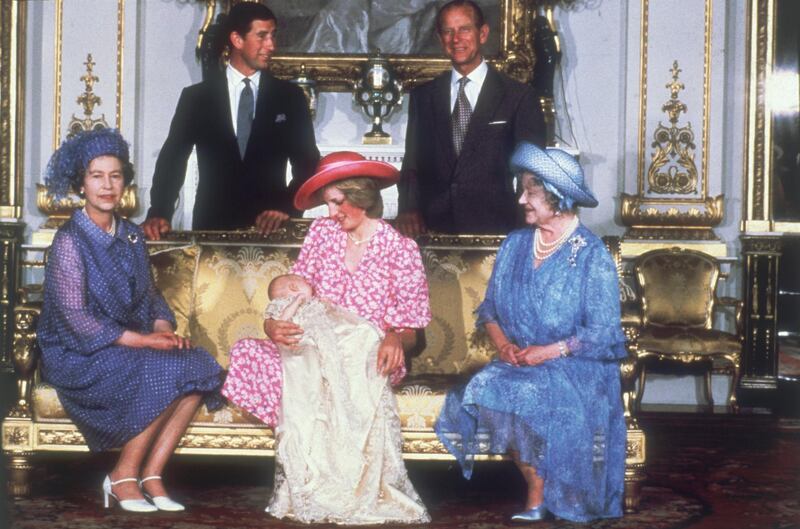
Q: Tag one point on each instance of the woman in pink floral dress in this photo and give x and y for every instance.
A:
(357, 261)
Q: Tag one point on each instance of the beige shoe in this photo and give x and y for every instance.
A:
(163, 503)
(126, 505)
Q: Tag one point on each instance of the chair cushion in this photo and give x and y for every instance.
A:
(419, 399)
(47, 408)
(173, 274)
(673, 341)
(678, 287)
(231, 294)
(457, 282)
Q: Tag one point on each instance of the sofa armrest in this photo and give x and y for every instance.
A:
(25, 354)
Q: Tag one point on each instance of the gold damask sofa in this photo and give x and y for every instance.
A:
(216, 283)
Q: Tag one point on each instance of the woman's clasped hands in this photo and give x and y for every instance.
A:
(163, 338)
(530, 356)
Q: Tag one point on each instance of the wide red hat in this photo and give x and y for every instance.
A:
(339, 166)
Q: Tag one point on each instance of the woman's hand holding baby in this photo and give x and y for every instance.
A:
(283, 332)
(390, 353)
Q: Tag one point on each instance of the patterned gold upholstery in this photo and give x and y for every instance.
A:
(678, 300)
(219, 291)
(231, 293)
(216, 284)
(173, 273)
(457, 280)
(420, 397)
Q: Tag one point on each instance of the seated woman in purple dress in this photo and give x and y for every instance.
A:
(108, 337)
(552, 397)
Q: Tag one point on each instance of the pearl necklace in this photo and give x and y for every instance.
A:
(542, 250)
(359, 242)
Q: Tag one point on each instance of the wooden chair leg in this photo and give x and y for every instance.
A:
(633, 491)
(640, 388)
(709, 390)
(20, 469)
(734, 383)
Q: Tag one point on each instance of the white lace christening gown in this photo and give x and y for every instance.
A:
(338, 456)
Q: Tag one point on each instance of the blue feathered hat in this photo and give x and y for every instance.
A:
(559, 171)
(68, 164)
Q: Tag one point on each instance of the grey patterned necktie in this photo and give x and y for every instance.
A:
(244, 117)
(462, 111)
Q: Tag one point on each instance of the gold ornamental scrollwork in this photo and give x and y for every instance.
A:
(672, 169)
(88, 100)
(60, 210)
(67, 437)
(423, 446)
(248, 442)
(14, 436)
(635, 447)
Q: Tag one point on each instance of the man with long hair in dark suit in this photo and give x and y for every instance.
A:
(462, 127)
(246, 125)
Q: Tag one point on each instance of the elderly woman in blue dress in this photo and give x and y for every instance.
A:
(552, 397)
(108, 337)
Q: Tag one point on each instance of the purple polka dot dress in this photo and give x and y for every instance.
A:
(97, 285)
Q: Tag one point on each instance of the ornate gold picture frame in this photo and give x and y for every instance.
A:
(762, 94)
(336, 72)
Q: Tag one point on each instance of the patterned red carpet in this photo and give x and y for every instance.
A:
(704, 472)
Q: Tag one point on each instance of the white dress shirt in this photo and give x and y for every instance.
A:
(472, 88)
(235, 87)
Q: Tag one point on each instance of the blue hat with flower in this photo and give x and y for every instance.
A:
(67, 166)
(559, 171)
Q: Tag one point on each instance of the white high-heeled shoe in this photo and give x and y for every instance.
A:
(163, 503)
(126, 505)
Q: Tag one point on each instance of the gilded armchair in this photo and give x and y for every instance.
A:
(678, 304)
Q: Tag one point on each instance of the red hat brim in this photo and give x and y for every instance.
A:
(383, 173)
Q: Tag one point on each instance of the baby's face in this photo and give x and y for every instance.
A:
(294, 285)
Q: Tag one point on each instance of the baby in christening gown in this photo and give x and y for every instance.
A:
(338, 456)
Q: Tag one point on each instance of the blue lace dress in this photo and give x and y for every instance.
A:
(564, 416)
(96, 286)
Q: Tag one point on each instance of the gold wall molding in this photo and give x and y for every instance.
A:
(59, 28)
(672, 200)
(120, 50)
(59, 67)
(12, 107)
(758, 160)
(643, 53)
(643, 79)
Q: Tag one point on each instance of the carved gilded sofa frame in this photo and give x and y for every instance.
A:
(678, 302)
(25, 434)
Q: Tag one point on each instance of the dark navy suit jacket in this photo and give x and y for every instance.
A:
(232, 191)
(471, 193)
